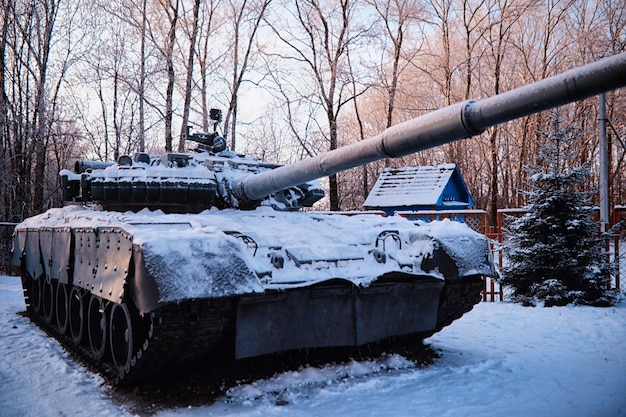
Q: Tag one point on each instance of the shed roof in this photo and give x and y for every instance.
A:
(432, 186)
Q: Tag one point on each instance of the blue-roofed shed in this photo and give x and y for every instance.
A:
(438, 187)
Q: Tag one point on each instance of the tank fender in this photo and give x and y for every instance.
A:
(145, 291)
(470, 255)
(456, 250)
(45, 245)
(194, 264)
(442, 262)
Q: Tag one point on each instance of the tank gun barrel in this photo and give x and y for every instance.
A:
(459, 121)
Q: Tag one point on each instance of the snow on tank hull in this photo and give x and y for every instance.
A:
(121, 284)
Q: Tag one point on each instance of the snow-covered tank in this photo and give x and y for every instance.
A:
(157, 258)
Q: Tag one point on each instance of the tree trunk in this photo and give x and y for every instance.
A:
(171, 77)
(192, 50)
(40, 120)
(333, 184)
(141, 134)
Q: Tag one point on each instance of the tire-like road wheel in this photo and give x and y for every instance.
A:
(35, 294)
(77, 315)
(47, 300)
(121, 337)
(62, 308)
(97, 327)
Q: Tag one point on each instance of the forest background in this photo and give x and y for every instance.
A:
(101, 78)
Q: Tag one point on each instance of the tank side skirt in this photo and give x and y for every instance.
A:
(45, 245)
(144, 290)
(33, 263)
(113, 261)
(337, 315)
(62, 245)
(102, 261)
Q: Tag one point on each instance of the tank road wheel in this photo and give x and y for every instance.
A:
(47, 300)
(97, 327)
(121, 337)
(62, 308)
(77, 314)
(35, 294)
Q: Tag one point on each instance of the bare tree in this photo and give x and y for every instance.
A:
(442, 15)
(35, 60)
(45, 17)
(247, 16)
(475, 16)
(142, 78)
(9, 159)
(205, 58)
(396, 33)
(171, 9)
(319, 42)
(110, 71)
(397, 17)
(193, 33)
(365, 186)
(505, 14)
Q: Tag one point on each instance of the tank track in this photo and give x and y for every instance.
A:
(174, 334)
(178, 333)
(458, 298)
(182, 332)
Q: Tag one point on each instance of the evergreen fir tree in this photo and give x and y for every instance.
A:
(554, 252)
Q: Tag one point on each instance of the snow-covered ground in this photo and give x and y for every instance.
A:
(501, 359)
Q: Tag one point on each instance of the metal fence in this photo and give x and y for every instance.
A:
(476, 220)
(6, 233)
(619, 221)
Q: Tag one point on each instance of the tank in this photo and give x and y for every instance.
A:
(165, 258)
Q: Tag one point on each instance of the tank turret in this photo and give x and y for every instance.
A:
(136, 274)
(180, 182)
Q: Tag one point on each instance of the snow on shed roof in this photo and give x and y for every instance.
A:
(416, 186)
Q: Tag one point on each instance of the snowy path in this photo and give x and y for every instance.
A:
(499, 360)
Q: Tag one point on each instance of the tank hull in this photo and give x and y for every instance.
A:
(132, 290)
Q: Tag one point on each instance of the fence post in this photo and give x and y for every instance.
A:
(618, 213)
